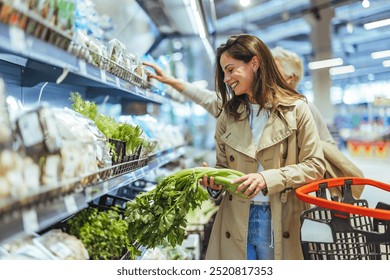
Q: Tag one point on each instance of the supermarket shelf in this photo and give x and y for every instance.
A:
(46, 62)
(53, 204)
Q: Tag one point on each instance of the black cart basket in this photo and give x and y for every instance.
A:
(343, 228)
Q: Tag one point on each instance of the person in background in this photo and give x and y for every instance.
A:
(291, 68)
(265, 130)
(337, 164)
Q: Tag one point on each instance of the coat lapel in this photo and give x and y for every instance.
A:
(275, 131)
(239, 136)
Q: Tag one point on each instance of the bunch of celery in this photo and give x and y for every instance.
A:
(159, 215)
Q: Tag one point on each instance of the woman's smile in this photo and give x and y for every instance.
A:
(237, 74)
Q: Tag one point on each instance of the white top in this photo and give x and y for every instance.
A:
(257, 123)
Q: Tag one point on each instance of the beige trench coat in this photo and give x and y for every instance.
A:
(291, 155)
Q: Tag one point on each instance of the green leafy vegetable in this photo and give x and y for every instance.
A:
(103, 233)
(86, 108)
(112, 129)
(159, 215)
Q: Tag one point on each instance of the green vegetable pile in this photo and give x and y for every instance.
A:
(112, 129)
(154, 218)
(159, 215)
(103, 233)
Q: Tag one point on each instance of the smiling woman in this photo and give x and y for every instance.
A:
(266, 131)
(243, 67)
(239, 75)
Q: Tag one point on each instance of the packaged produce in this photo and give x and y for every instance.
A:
(24, 249)
(62, 245)
(65, 15)
(90, 49)
(19, 176)
(79, 133)
(116, 52)
(111, 129)
(38, 132)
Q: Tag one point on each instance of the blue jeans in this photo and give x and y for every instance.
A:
(260, 245)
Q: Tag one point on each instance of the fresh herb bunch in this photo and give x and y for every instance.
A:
(126, 132)
(159, 215)
(86, 108)
(103, 233)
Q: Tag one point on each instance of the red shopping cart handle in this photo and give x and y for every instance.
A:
(303, 194)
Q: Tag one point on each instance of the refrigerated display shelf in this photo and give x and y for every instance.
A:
(38, 211)
(51, 60)
(43, 53)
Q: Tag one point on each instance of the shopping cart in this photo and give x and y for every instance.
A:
(343, 228)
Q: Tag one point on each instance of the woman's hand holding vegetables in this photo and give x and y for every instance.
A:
(251, 184)
(209, 183)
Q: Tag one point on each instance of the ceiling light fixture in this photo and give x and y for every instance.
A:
(386, 63)
(195, 18)
(366, 4)
(325, 63)
(381, 54)
(376, 24)
(199, 27)
(342, 70)
(245, 3)
(350, 27)
(209, 49)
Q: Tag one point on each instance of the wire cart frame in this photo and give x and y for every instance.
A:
(343, 228)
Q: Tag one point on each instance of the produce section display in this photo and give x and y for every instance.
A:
(45, 19)
(47, 143)
(124, 138)
(52, 245)
(67, 174)
(103, 233)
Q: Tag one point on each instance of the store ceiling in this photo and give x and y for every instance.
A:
(286, 23)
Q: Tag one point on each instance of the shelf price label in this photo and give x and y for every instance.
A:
(103, 76)
(82, 67)
(105, 187)
(131, 177)
(30, 221)
(70, 204)
(140, 173)
(21, 5)
(138, 91)
(88, 194)
(17, 38)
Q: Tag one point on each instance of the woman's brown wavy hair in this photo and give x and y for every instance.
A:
(269, 87)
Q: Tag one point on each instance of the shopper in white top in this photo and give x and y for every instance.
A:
(291, 67)
(337, 164)
(288, 152)
(290, 235)
(289, 64)
(231, 234)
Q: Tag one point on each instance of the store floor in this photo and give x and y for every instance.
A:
(377, 169)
